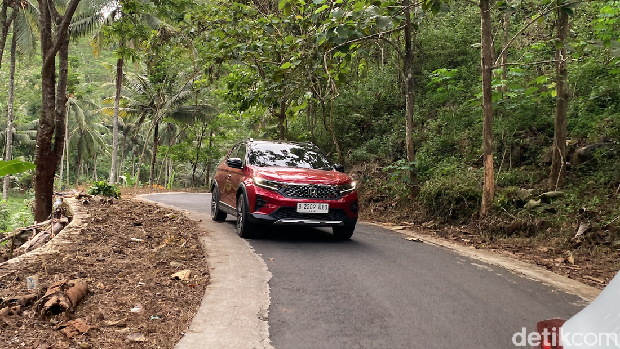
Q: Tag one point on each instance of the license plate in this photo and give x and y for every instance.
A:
(303, 207)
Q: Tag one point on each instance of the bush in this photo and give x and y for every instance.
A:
(104, 189)
(452, 198)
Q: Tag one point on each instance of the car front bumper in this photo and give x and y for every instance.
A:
(311, 222)
(268, 207)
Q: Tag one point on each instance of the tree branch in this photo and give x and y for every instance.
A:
(533, 63)
(62, 32)
(54, 12)
(398, 51)
(546, 11)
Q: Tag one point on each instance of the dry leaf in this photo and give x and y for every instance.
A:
(136, 337)
(183, 275)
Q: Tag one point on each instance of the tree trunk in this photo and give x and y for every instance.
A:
(310, 115)
(409, 100)
(165, 169)
(117, 98)
(198, 146)
(154, 154)
(66, 150)
(488, 191)
(281, 118)
(123, 151)
(558, 168)
(5, 24)
(95, 167)
(9, 124)
(51, 131)
(141, 159)
(208, 172)
(78, 167)
(505, 51)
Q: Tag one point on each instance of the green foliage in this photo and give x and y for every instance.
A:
(15, 166)
(452, 197)
(170, 180)
(130, 180)
(16, 211)
(104, 189)
(5, 214)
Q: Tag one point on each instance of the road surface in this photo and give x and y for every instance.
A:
(379, 290)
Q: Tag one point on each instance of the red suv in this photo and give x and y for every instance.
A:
(283, 183)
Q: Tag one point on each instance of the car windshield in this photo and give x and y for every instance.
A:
(288, 155)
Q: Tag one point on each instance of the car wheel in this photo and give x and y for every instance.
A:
(216, 214)
(245, 228)
(343, 233)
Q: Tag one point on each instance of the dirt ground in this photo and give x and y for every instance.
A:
(126, 253)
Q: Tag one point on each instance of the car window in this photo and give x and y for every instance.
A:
(241, 153)
(288, 155)
(233, 152)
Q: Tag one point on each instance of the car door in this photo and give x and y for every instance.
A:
(221, 176)
(236, 175)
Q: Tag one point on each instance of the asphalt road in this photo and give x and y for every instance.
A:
(379, 290)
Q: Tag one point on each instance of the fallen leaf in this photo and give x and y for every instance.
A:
(594, 279)
(75, 327)
(116, 323)
(583, 227)
(183, 275)
(136, 337)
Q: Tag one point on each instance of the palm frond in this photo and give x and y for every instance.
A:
(26, 34)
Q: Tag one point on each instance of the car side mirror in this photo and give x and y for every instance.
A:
(339, 168)
(234, 163)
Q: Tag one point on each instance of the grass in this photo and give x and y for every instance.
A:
(16, 211)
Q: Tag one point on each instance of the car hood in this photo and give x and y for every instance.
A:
(301, 175)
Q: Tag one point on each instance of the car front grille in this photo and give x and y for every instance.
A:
(291, 213)
(311, 191)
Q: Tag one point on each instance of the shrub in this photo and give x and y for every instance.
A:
(104, 189)
(452, 198)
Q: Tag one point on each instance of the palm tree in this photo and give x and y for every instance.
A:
(167, 101)
(127, 31)
(23, 38)
(85, 131)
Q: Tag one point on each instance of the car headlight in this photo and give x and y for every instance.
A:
(346, 188)
(267, 184)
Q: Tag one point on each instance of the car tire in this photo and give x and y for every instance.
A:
(216, 214)
(343, 233)
(245, 228)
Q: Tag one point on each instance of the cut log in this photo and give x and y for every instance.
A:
(8, 311)
(19, 300)
(63, 296)
(24, 231)
(38, 240)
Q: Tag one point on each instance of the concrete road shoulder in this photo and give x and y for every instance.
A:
(234, 310)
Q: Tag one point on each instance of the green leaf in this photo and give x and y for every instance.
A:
(383, 22)
(15, 166)
(568, 11)
(321, 9)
